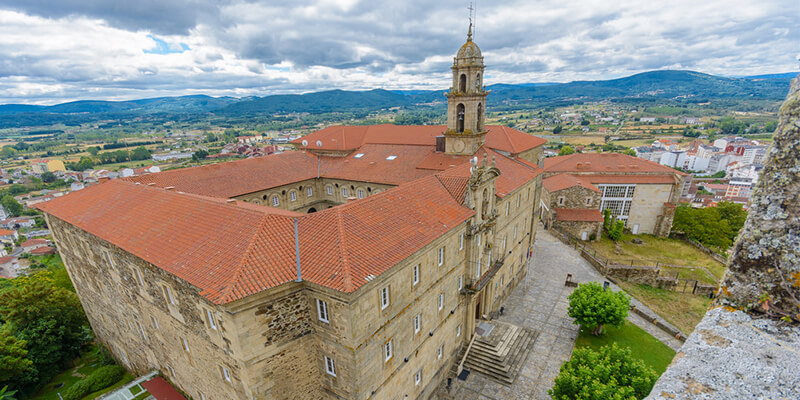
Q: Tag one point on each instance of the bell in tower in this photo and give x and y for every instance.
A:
(466, 101)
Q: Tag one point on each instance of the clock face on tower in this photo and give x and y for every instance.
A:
(458, 146)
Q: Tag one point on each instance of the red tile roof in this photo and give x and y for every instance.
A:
(578, 214)
(34, 242)
(605, 163)
(6, 232)
(563, 181)
(161, 390)
(351, 137)
(230, 252)
(43, 250)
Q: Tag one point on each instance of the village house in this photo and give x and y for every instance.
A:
(8, 236)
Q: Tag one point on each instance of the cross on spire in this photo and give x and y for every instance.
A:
(471, 16)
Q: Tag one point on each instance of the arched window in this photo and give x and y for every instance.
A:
(462, 83)
(480, 117)
(478, 82)
(460, 118)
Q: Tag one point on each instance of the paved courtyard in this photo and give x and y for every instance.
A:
(540, 303)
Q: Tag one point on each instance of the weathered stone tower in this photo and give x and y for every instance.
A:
(466, 101)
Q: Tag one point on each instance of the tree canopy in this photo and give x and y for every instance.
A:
(11, 205)
(712, 226)
(610, 373)
(566, 150)
(592, 307)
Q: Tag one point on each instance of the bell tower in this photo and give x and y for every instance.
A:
(466, 101)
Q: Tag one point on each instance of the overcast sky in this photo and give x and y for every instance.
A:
(53, 51)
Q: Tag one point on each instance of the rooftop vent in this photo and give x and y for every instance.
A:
(369, 277)
(231, 201)
(359, 155)
(319, 143)
(151, 184)
(169, 188)
(390, 158)
(304, 143)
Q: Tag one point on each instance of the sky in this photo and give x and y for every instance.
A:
(52, 51)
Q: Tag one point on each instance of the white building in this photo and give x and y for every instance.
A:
(674, 159)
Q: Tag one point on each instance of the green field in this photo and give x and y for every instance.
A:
(683, 310)
(643, 346)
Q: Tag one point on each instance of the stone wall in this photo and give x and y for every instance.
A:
(647, 209)
(574, 197)
(576, 228)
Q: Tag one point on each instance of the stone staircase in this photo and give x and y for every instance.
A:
(501, 355)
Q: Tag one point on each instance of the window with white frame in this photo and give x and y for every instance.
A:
(108, 257)
(588, 201)
(155, 321)
(479, 239)
(441, 301)
(441, 255)
(460, 282)
(141, 330)
(515, 232)
(168, 295)
(461, 241)
(138, 276)
(508, 208)
(617, 199)
(293, 195)
(275, 201)
(309, 192)
(478, 270)
(519, 197)
(387, 351)
(417, 323)
(439, 352)
(225, 373)
(185, 345)
(322, 311)
(528, 194)
(415, 275)
(330, 366)
(458, 330)
(561, 200)
(210, 319)
(360, 193)
(505, 240)
(344, 192)
(171, 371)
(329, 190)
(418, 378)
(384, 297)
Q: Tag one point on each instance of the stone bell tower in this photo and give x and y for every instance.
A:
(466, 101)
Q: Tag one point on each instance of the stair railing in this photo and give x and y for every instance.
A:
(464, 358)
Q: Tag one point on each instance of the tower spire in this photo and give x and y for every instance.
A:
(471, 11)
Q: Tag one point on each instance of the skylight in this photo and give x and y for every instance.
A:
(359, 155)
(390, 158)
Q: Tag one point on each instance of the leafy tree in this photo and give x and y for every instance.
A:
(719, 174)
(630, 152)
(606, 219)
(730, 126)
(14, 366)
(48, 177)
(770, 126)
(615, 230)
(11, 205)
(557, 129)
(140, 153)
(689, 132)
(610, 373)
(713, 226)
(592, 307)
(83, 164)
(566, 150)
(585, 122)
(93, 150)
(199, 155)
(50, 319)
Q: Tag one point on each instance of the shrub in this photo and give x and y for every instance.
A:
(615, 232)
(101, 378)
(592, 307)
(608, 373)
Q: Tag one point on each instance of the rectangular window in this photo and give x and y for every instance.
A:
(458, 330)
(171, 371)
(387, 351)
(344, 192)
(210, 319)
(417, 323)
(505, 239)
(528, 194)
(441, 301)
(108, 257)
(225, 373)
(588, 201)
(141, 330)
(415, 275)
(478, 271)
(441, 255)
(461, 241)
(322, 311)
(439, 352)
(519, 197)
(384, 298)
(329, 189)
(155, 322)
(460, 282)
(418, 377)
(185, 345)
(515, 232)
(479, 239)
(168, 295)
(139, 276)
(275, 201)
(309, 192)
(508, 208)
(561, 201)
(330, 367)
(292, 196)
(360, 193)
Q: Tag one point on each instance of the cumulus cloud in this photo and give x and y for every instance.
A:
(53, 51)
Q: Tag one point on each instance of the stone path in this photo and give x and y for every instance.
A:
(540, 303)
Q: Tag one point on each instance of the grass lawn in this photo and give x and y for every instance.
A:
(82, 367)
(663, 250)
(684, 310)
(642, 345)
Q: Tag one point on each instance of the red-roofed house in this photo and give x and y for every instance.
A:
(32, 244)
(572, 205)
(640, 192)
(302, 274)
(8, 236)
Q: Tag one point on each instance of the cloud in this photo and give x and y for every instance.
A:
(51, 51)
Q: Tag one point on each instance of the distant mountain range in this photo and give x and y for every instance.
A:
(685, 85)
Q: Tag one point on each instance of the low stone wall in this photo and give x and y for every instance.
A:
(716, 256)
(657, 322)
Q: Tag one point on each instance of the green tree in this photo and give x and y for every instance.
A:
(610, 373)
(592, 307)
(566, 150)
(199, 155)
(140, 153)
(585, 122)
(557, 129)
(770, 126)
(93, 150)
(14, 365)
(48, 177)
(713, 226)
(615, 230)
(630, 152)
(11, 205)
(730, 126)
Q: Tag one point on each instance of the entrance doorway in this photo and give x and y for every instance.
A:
(478, 307)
